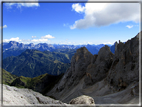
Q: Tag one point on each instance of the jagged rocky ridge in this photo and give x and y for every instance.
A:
(108, 78)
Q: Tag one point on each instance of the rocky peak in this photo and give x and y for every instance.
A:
(98, 70)
(81, 53)
(114, 72)
(125, 65)
(79, 63)
(104, 54)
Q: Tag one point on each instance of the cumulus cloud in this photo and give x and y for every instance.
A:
(43, 39)
(102, 14)
(78, 8)
(5, 26)
(9, 5)
(12, 39)
(129, 26)
(47, 37)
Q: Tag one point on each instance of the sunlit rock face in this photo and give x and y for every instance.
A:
(17, 96)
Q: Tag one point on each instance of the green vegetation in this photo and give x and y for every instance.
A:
(42, 83)
(36, 70)
(32, 63)
(7, 77)
(12, 52)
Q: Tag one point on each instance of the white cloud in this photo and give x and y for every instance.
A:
(33, 37)
(129, 26)
(47, 37)
(89, 43)
(39, 40)
(43, 39)
(102, 14)
(19, 5)
(12, 39)
(78, 8)
(5, 26)
(108, 43)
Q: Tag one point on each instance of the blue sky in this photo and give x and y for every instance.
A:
(70, 23)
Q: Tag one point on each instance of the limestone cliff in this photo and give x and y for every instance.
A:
(107, 77)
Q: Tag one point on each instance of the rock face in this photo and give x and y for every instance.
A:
(15, 96)
(79, 63)
(108, 78)
(125, 65)
(82, 100)
(98, 70)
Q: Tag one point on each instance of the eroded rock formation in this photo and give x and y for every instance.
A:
(103, 76)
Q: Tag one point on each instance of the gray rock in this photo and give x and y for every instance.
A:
(125, 65)
(17, 96)
(82, 100)
(105, 77)
(79, 63)
(98, 70)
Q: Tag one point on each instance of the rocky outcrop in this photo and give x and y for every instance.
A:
(83, 100)
(98, 70)
(79, 63)
(23, 97)
(125, 65)
(108, 78)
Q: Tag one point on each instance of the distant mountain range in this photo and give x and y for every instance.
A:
(15, 48)
(31, 63)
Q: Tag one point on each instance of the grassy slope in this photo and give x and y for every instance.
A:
(8, 77)
(42, 83)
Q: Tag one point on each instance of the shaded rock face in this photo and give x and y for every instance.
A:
(79, 63)
(125, 66)
(98, 70)
(82, 100)
(105, 74)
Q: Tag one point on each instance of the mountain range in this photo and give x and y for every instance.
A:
(109, 78)
(14, 48)
(32, 63)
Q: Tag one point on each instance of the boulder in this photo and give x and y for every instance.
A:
(82, 100)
